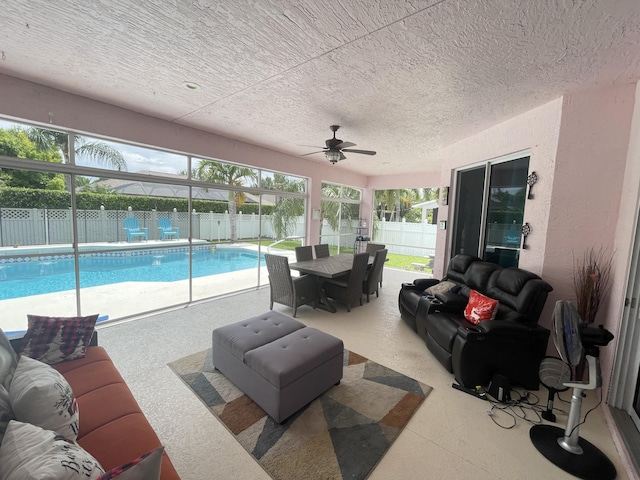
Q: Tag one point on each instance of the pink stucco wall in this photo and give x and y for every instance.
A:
(536, 133)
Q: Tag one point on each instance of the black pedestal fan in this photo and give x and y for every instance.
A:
(565, 448)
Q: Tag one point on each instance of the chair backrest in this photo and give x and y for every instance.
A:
(304, 253)
(372, 248)
(164, 223)
(132, 224)
(375, 274)
(356, 277)
(279, 274)
(321, 250)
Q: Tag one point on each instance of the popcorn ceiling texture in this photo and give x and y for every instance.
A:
(403, 78)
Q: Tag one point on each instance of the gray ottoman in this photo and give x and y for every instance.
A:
(281, 364)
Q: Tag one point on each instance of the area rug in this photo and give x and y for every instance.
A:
(343, 434)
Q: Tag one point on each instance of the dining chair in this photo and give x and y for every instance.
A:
(321, 250)
(374, 274)
(285, 289)
(372, 248)
(304, 253)
(348, 289)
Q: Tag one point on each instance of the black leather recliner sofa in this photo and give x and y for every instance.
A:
(512, 344)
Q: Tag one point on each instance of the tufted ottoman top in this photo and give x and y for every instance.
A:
(241, 337)
(286, 359)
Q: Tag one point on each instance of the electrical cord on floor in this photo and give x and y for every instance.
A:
(527, 403)
(521, 408)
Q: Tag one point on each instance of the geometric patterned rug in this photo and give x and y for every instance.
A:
(343, 434)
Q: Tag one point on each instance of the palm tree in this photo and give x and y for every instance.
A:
(227, 174)
(100, 152)
(287, 209)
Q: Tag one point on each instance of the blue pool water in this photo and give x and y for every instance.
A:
(49, 276)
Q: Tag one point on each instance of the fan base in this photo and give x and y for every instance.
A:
(592, 464)
(549, 416)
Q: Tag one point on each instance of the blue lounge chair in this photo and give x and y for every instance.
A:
(166, 230)
(132, 226)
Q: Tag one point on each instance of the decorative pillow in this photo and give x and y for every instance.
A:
(480, 308)
(145, 467)
(440, 287)
(40, 395)
(55, 339)
(6, 414)
(8, 360)
(29, 452)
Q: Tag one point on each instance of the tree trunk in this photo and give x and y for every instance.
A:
(233, 220)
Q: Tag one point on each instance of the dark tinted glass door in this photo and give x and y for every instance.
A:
(468, 208)
(505, 212)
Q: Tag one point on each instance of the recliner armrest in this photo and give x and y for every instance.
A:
(420, 284)
(491, 328)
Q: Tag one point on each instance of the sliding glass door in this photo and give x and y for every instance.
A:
(489, 210)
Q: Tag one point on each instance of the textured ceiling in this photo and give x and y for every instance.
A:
(400, 77)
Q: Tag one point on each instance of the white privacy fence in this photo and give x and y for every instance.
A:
(407, 238)
(34, 226)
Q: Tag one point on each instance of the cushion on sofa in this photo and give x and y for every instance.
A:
(42, 396)
(145, 467)
(132, 434)
(110, 413)
(8, 360)
(93, 371)
(480, 307)
(55, 339)
(30, 452)
(441, 287)
(6, 413)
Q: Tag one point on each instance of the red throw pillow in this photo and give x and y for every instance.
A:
(480, 307)
(55, 339)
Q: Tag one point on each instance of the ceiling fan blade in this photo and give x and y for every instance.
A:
(311, 146)
(365, 152)
(312, 153)
(342, 157)
(345, 145)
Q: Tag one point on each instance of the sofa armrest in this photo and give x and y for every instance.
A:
(491, 327)
(511, 349)
(420, 284)
(452, 302)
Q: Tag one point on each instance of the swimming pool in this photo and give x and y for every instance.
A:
(51, 274)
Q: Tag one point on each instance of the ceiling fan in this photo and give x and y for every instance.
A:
(335, 147)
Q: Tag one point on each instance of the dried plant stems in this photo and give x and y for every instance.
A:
(592, 281)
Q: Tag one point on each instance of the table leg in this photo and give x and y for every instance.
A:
(322, 301)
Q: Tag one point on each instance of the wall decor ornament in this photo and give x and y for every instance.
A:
(526, 230)
(531, 180)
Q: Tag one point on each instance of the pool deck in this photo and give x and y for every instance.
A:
(129, 299)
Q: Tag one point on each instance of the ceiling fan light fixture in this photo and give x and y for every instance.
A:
(333, 156)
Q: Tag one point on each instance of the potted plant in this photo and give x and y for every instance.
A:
(591, 281)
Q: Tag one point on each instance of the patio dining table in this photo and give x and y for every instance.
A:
(323, 268)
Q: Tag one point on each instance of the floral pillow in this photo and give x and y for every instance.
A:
(40, 395)
(480, 307)
(145, 467)
(29, 451)
(56, 339)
